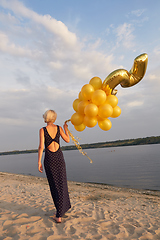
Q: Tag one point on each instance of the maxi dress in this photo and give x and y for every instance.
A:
(55, 169)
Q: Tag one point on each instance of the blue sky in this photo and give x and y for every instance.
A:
(50, 49)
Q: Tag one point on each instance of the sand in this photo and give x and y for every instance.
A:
(98, 211)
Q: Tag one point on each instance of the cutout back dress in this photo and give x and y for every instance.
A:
(55, 169)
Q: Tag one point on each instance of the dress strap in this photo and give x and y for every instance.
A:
(49, 139)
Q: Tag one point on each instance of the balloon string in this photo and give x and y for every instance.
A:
(77, 144)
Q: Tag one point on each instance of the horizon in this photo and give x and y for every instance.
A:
(23, 150)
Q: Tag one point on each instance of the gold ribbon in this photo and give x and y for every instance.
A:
(77, 144)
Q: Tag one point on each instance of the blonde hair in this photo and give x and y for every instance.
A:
(50, 116)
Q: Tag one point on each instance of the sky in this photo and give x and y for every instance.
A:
(50, 49)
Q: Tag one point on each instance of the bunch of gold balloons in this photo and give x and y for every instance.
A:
(94, 105)
(97, 101)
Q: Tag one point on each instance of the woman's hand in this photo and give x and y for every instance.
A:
(40, 167)
(65, 126)
(64, 134)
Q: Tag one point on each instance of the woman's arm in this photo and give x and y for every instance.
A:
(40, 149)
(65, 135)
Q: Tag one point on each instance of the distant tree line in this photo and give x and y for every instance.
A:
(118, 143)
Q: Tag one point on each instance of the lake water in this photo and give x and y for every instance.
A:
(132, 166)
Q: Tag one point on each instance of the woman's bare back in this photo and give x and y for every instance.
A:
(52, 131)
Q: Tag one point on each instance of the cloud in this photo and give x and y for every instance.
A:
(135, 103)
(57, 27)
(51, 53)
(138, 12)
(157, 51)
(55, 65)
(26, 105)
(8, 18)
(124, 33)
(22, 78)
(11, 48)
(152, 77)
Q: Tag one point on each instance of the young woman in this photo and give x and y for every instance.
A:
(54, 163)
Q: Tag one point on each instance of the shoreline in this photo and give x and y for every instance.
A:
(99, 211)
(93, 184)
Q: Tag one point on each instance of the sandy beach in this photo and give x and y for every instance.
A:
(98, 211)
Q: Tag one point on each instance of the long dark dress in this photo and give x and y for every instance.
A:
(55, 169)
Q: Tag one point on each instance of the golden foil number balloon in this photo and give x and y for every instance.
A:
(125, 78)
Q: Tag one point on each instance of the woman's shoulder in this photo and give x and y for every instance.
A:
(42, 129)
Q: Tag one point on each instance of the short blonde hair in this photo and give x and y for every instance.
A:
(50, 116)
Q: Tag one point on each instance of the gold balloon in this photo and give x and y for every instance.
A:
(90, 121)
(99, 97)
(80, 127)
(81, 106)
(116, 112)
(77, 119)
(96, 82)
(105, 111)
(100, 118)
(75, 104)
(87, 91)
(112, 100)
(81, 98)
(91, 110)
(105, 124)
(125, 78)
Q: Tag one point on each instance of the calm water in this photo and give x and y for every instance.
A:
(133, 166)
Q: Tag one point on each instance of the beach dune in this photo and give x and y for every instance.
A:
(98, 211)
